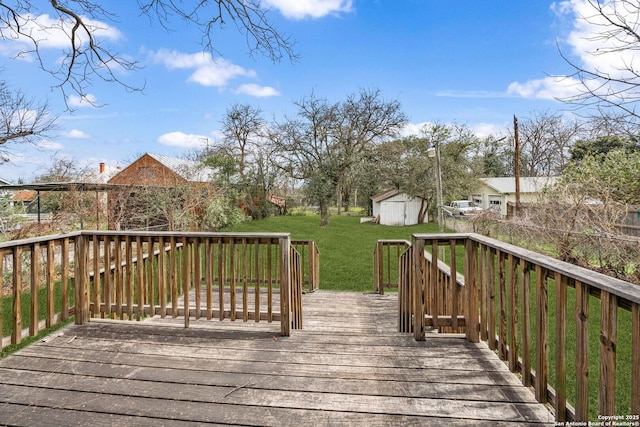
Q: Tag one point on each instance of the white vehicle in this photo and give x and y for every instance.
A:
(462, 208)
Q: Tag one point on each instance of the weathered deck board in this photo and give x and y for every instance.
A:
(347, 366)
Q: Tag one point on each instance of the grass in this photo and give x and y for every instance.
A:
(29, 340)
(6, 312)
(346, 246)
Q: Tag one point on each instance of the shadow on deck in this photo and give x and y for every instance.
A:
(347, 366)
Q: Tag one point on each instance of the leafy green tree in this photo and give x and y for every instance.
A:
(497, 157)
(457, 145)
(600, 147)
(611, 176)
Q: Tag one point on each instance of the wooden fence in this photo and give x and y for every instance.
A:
(570, 333)
(130, 275)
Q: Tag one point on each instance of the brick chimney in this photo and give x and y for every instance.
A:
(102, 167)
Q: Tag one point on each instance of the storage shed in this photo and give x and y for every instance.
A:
(394, 207)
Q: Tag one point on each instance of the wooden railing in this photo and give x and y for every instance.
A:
(570, 333)
(310, 263)
(130, 275)
(385, 263)
(36, 283)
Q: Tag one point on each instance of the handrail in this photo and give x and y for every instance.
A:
(128, 275)
(509, 292)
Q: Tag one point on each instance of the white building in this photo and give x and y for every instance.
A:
(393, 207)
(498, 193)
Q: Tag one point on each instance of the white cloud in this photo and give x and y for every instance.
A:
(207, 71)
(412, 129)
(183, 140)
(589, 47)
(52, 33)
(257, 91)
(88, 100)
(591, 38)
(552, 88)
(483, 130)
(50, 145)
(77, 134)
(301, 9)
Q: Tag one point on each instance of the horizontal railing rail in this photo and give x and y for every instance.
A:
(570, 333)
(129, 275)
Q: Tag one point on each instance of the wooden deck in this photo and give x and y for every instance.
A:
(348, 366)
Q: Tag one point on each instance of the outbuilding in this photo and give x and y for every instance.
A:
(393, 207)
(499, 194)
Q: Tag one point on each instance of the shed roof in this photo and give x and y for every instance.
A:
(507, 185)
(384, 195)
(387, 194)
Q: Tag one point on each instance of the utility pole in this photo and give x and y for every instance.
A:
(434, 151)
(517, 163)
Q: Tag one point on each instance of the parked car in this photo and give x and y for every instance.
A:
(462, 208)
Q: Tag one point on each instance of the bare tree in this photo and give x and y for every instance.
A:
(326, 140)
(22, 120)
(84, 26)
(545, 140)
(242, 127)
(609, 78)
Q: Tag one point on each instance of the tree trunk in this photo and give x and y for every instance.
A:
(424, 208)
(346, 202)
(324, 213)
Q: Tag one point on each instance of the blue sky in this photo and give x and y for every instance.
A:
(472, 62)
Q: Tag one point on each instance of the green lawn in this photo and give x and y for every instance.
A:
(346, 246)
(6, 314)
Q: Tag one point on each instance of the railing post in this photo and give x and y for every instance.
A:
(582, 351)
(471, 285)
(313, 284)
(433, 283)
(541, 334)
(16, 335)
(608, 341)
(34, 279)
(418, 293)
(285, 286)
(81, 280)
(377, 268)
(404, 289)
(186, 278)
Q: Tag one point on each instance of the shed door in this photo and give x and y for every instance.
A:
(392, 213)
